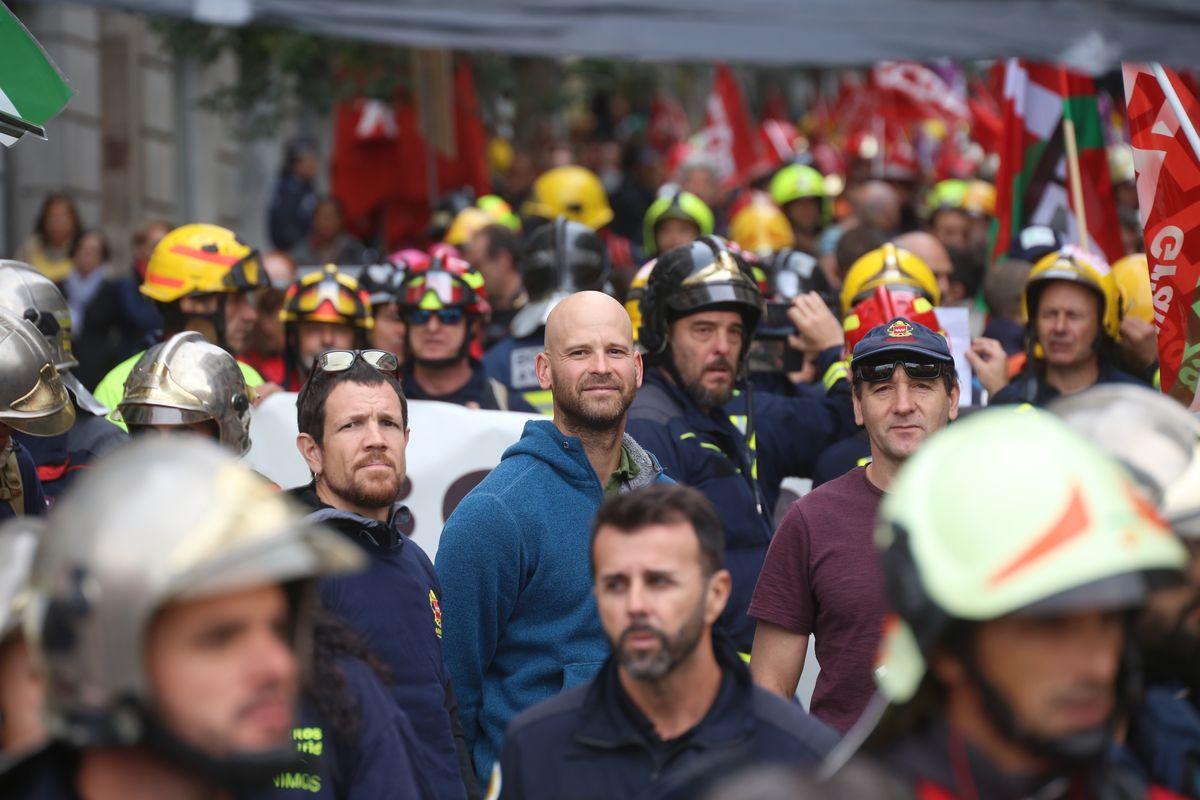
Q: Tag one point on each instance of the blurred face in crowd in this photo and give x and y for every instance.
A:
(21, 693)
(388, 333)
(59, 223)
(902, 412)
(314, 338)
(241, 319)
(1056, 674)
(222, 671)
(952, 228)
(89, 253)
(702, 182)
(327, 220)
(360, 461)
(589, 363)
(1067, 324)
(805, 214)
(705, 348)
(144, 242)
(656, 599)
(672, 232)
(1168, 630)
(436, 339)
(933, 252)
(207, 428)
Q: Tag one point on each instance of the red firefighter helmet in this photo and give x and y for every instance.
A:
(882, 306)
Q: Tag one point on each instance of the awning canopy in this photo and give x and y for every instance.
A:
(1090, 34)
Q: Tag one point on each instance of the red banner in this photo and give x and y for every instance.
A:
(729, 137)
(1168, 184)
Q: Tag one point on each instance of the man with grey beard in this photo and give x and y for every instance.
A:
(673, 707)
(695, 412)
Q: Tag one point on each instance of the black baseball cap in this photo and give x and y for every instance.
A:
(902, 336)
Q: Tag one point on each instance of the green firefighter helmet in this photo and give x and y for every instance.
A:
(1008, 511)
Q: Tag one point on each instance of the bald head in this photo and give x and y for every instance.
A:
(877, 205)
(581, 314)
(926, 247)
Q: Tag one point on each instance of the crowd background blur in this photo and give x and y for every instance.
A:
(405, 148)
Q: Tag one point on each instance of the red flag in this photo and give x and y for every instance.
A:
(917, 93)
(729, 136)
(668, 123)
(1168, 184)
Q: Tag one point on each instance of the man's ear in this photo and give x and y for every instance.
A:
(720, 585)
(541, 365)
(311, 452)
(638, 367)
(857, 401)
(954, 402)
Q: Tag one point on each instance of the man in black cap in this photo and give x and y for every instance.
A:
(822, 572)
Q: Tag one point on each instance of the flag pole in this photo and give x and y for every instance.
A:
(1073, 163)
(1172, 97)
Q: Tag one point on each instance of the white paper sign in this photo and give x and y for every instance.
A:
(956, 322)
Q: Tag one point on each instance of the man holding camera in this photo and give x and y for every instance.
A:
(699, 314)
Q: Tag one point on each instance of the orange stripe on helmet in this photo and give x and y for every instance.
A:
(204, 255)
(1073, 522)
(154, 277)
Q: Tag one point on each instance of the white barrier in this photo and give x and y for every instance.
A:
(450, 450)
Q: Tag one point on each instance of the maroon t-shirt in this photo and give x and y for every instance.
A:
(822, 577)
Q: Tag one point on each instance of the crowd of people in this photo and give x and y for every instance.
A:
(1002, 597)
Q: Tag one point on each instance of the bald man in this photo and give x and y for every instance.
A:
(929, 249)
(518, 614)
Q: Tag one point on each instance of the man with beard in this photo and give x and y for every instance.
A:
(673, 705)
(520, 618)
(699, 313)
(821, 576)
(353, 421)
(1158, 441)
(1016, 554)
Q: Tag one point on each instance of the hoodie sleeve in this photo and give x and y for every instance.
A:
(480, 563)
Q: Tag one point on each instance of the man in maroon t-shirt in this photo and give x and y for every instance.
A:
(822, 575)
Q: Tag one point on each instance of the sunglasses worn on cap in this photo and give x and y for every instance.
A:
(446, 316)
(342, 360)
(917, 370)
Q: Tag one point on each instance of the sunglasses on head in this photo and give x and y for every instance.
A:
(916, 370)
(447, 316)
(342, 360)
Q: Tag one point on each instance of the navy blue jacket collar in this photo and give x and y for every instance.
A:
(383, 535)
(610, 720)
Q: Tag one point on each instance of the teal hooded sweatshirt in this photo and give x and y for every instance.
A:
(519, 619)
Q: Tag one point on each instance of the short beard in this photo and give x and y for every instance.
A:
(707, 398)
(365, 494)
(578, 416)
(671, 652)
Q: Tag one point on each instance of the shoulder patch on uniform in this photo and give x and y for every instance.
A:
(437, 613)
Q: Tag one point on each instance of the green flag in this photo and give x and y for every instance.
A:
(32, 90)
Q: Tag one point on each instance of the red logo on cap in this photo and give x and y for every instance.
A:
(900, 330)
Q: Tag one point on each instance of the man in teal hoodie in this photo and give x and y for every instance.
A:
(518, 612)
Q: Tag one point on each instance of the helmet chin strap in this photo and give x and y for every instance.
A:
(241, 772)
